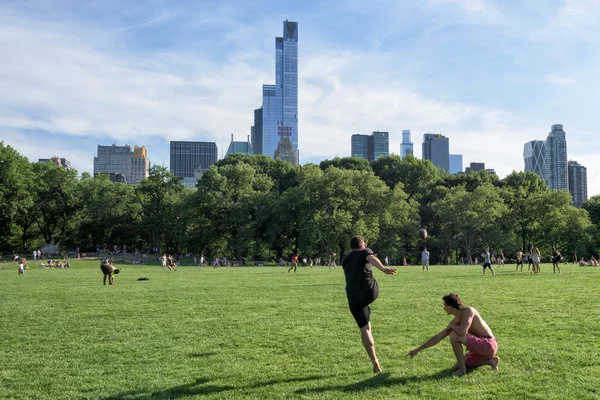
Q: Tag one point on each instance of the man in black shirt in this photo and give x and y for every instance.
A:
(362, 290)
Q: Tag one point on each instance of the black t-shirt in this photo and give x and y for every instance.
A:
(358, 273)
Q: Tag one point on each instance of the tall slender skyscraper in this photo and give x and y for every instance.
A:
(140, 165)
(436, 148)
(406, 147)
(278, 135)
(534, 155)
(556, 159)
(577, 182)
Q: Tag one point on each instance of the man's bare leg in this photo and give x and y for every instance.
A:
(492, 362)
(457, 343)
(369, 343)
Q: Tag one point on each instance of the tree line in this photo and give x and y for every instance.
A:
(259, 208)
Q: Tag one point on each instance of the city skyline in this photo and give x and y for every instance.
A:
(81, 74)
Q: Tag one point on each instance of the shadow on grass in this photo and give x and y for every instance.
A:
(201, 387)
(379, 380)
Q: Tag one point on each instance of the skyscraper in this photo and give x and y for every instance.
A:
(257, 131)
(61, 162)
(577, 182)
(436, 148)
(113, 159)
(278, 135)
(381, 144)
(406, 147)
(475, 167)
(239, 147)
(139, 165)
(188, 157)
(456, 163)
(371, 146)
(557, 176)
(534, 155)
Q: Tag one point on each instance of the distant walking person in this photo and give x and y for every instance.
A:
(425, 259)
(469, 329)
(486, 261)
(362, 289)
(294, 262)
(519, 260)
(556, 257)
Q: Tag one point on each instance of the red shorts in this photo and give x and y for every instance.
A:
(479, 349)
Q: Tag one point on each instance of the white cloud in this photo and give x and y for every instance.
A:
(559, 80)
(577, 20)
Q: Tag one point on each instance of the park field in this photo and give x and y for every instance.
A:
(264, 333)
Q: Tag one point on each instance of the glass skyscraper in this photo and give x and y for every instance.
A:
(277, 135)
(436, 148)
(456, 163)
(534, 155)
(189, 157)
(577, 182)
(557, 176)
(371, 146)
(406, 147)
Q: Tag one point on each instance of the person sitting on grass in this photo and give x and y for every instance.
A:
(593, 261)
(108, 270)
(582, 262)
(469, 329)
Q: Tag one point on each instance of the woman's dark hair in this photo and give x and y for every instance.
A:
(453, 300)
(117, 271)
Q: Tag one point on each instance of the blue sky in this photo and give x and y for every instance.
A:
(490, 75)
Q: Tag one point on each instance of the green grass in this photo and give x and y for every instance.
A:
(260, 333)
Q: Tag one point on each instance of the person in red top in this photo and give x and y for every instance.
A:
(294, 262)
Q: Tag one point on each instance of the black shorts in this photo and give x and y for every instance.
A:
(104, 270)
(556, 259)
(487, 265)
(359, 305)
(519, 262)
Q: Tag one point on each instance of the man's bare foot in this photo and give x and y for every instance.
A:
(459, 373)
(376, 367)
(494, 363)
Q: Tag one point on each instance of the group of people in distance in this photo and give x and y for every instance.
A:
(466, 328)
(534, 257)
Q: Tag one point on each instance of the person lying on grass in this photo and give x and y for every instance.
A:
(469, 329)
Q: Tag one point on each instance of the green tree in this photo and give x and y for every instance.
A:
(524, 194)
(109, 213)
(418, 176)
(56, 202)
(16, 181)
(159, 193)
(470, 219)
(351, 163)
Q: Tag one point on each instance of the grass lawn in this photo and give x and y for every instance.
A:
(260, 333)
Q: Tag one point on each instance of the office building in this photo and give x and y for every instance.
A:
(534, 155)
(256, 132)
(557, 176)
(456, 163)
(239, 147)
(436, 148)
(577, 182)
(277, 135)
(139, 165)
(475, 167)
(61, 162)
(113, 159)
(406, 147)
(189, 158)
(371, 146)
